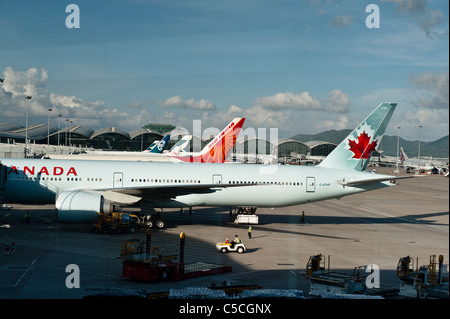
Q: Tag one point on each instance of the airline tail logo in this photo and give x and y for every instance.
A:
(362, 147)
(220, 147)
(161, 145)
(361, 142)
(403, 156)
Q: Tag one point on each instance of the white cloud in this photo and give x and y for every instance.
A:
(177, 101)
(24, 83)
(18, 84)
(340, 124)
(336, 102)
(431, 21)
(434, 90)
(303, 101)
(432, 121)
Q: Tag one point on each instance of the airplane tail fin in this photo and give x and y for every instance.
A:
(354, 152)
(221, 146)
(180, 146)
(403, 155)
(159, 146)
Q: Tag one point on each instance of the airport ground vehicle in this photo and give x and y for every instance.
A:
(127, 222)
(230, 247)
(116, 222)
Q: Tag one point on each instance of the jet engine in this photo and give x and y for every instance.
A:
(78, 206)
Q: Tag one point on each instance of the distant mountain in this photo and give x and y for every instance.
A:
(438, 148)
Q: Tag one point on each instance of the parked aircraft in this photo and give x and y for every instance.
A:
(81, 189)
(158, 146)
(216, 151)
(427, 165)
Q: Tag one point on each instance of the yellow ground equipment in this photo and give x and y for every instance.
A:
(116, 223)
(427, 281)
(316, 264)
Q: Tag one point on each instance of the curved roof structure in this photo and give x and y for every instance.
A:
(320, 148)
(110, 130)
(312, 144)
(288, 140)
(6, 127)
(144, 131)
(286, 146)
(35, 132)
(77, 129)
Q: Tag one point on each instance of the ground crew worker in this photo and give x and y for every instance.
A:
(303, 217)
(250, 232)
(27, 217)
(235, 241)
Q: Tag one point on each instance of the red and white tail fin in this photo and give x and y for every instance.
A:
(220, 147)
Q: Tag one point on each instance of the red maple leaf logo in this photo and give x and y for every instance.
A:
(361, 147)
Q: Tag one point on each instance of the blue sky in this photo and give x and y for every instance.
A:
(300, 66)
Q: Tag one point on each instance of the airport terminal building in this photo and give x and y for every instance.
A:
(45, 138)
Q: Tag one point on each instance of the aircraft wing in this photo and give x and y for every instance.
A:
(373, 180)
(167, 192)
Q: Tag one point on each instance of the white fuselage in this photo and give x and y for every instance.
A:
(37, 181)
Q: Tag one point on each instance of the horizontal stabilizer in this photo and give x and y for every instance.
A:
(374, 180)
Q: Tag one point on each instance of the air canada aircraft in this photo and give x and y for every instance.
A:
(81, 189)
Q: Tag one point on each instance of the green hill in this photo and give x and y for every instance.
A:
(438, 148)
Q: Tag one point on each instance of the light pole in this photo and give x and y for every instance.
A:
(398, 148)
(70, 133)
(418, 163)
(65, 143)
(26, 126)
(48, 127)
(59, 117)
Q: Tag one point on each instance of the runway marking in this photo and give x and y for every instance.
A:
(18, 281)
(375, 211)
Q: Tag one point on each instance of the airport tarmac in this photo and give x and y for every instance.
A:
(377, 227)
